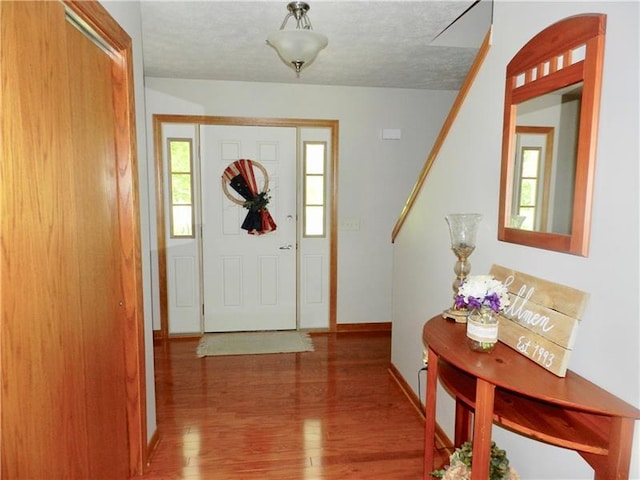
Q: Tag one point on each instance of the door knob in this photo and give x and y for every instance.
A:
(286, 247)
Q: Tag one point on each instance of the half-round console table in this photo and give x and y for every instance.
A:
(506, 388)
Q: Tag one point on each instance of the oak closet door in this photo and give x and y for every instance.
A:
(102, 319)
(62, 366)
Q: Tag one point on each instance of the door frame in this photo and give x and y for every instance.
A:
(160, 119)
(99, 20)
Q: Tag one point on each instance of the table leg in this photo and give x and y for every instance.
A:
(430, 414)
(463, 424)
(482, 421)
(620, 441)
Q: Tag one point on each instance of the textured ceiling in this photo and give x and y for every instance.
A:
(371, 43)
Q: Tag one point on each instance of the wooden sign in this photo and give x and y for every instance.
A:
(542, 318)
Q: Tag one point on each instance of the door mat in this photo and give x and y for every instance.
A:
(253, 343)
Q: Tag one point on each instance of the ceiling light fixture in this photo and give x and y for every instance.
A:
(300, 46)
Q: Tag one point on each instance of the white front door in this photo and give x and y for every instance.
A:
(249, 281)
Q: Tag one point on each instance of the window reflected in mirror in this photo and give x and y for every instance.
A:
(528, 196)
(545, 196)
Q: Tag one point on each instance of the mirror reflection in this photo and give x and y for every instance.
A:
(544, 170)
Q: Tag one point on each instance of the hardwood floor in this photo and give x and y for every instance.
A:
(335, 413)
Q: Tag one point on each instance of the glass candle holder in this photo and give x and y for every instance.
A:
(463, 229)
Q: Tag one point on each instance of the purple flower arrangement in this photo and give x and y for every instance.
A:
(482, 291)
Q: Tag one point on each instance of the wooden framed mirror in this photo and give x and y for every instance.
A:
(552, 105)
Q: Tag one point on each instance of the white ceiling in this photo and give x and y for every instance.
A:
(371, 43)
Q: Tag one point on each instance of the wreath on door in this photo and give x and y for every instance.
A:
(240, 176)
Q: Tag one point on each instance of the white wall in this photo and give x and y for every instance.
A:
(375, 176)
(127, 14)
(465, 178)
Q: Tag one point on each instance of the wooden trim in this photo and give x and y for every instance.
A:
(333, 233)
(161, 230)
(557, 39)
(588, 141)
(442, 439)
(183, 336)
(444, 132)
(332, 125)
(132, 264)
(154, 441)
(407, 390)
(246, 121)
(159, 337)
(101, 22)
(554, 81)
(363, 327)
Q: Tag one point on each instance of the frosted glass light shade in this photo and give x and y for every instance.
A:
(297, 47)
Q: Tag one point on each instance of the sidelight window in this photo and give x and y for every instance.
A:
(181, 187)
(314, 208)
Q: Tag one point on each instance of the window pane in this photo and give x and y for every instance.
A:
(314, 221)
(182, 226)
(314, 191)
(530, 162)
(529, 214)
(528, 192)
(180, 156)
(314, 157)
(314, 186)
(181, 188)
